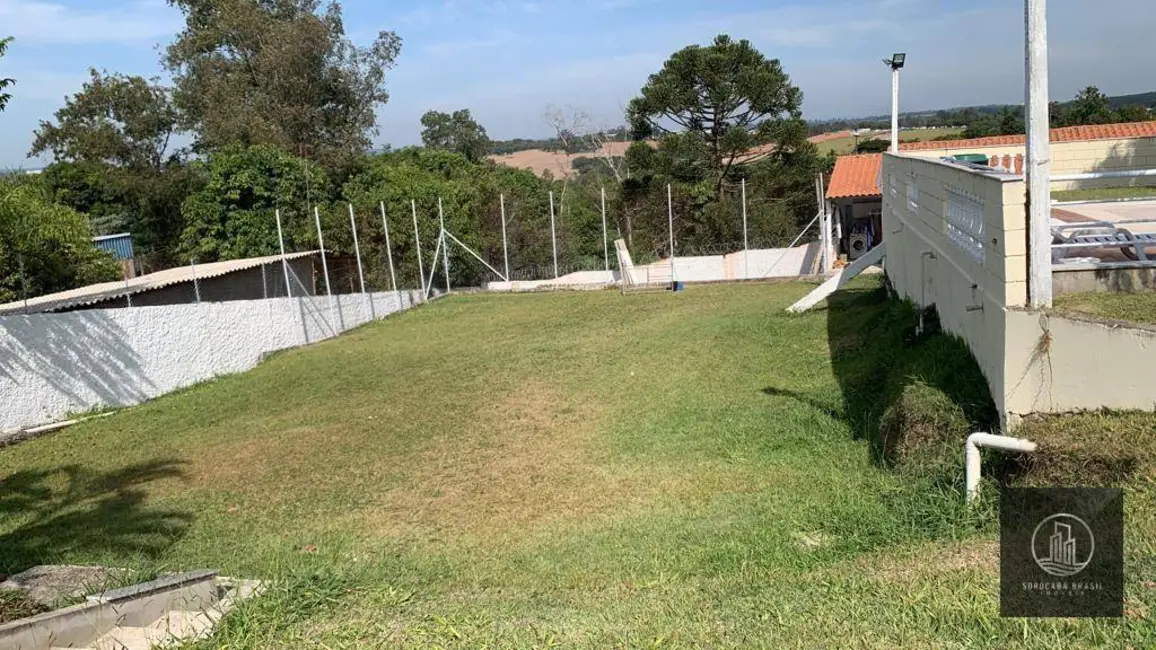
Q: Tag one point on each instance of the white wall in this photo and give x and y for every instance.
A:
(52, 365)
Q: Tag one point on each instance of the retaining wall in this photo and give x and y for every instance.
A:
(52, 365)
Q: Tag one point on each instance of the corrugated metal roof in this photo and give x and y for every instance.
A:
(95, 293)
(119, 245)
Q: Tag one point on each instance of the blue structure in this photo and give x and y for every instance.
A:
(120, 246)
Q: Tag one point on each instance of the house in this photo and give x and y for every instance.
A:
(857, 197)
(246, 279)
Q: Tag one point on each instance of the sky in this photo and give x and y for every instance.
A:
(508, 60)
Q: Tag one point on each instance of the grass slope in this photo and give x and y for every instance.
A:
(575, 470)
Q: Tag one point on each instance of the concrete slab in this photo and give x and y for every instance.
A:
(48, 584)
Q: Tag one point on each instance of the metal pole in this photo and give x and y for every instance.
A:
(196, 285)
(417, 245)
(894, 110)
(1036, 163)
(670, 218)
(826, 222)
(284, 262)
(321, 244)
(746, 249)
(388, 250)
(23, 281)
(444, 245)
(605, 244)
(553, 237)
(356, 247)
(505, 250)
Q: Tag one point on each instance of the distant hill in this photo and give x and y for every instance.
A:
(958, 116)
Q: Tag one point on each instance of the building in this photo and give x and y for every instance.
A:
(120, 247)
(857, 197)
(246, 279)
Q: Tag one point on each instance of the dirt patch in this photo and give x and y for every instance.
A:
(934, 562)
(528, 460)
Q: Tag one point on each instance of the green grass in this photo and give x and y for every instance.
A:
(1132, 307)
(1104, 193)
(568, 470)
(847, 145)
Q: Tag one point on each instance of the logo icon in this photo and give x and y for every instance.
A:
(1063, 545)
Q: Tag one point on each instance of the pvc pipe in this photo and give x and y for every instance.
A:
(971, 452)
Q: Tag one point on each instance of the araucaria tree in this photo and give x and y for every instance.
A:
(721, 101)
(278, 72)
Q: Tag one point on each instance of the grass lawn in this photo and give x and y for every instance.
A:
(1133, 307)
(1104, 193)
(847, 145)
(567, 470)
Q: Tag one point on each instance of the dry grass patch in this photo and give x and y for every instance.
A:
(931, 563)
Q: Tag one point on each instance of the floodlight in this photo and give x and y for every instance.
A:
(897, 60)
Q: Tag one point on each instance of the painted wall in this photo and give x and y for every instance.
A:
(972, 269)
(974, 272)
(55, 364)
(1078, 158)
(1058, 364)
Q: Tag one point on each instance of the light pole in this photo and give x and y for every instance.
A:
(895, 63)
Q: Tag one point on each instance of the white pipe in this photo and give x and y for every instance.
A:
(670, 218)
(284, 263)
(321, 244)
(971, 451)
(417, 246)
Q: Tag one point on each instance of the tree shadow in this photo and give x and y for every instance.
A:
(72, 510)
(85, 357)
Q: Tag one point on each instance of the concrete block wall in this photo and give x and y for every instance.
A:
(969, 288)
(52, 365)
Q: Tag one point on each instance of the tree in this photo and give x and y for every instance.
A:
(110, 143)
(1090, 107)
(458, 133)
(5, 82)
(1133, 113)
(115, 119)
(232, 216)
(44, 247)
(874, 145)
(277, 72)
(727, 96)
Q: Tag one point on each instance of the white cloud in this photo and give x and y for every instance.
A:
(140, 22)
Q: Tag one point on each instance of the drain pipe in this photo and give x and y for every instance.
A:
(971, 450)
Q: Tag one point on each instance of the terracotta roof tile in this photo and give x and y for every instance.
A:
(855, 176)
(1065, 134)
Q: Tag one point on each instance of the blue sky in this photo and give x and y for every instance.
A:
(508, 59)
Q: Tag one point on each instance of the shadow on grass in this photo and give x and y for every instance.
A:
(71, 510)
(904, 392)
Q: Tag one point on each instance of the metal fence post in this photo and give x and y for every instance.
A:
(388, 250)
(196, 284)
(356, 248)
(445, 246)
(284, 262)
(321, 244)
(605, 244)
(505, 250)
(746, 249)
(670, 219)
(417, 246)
(553, 236)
